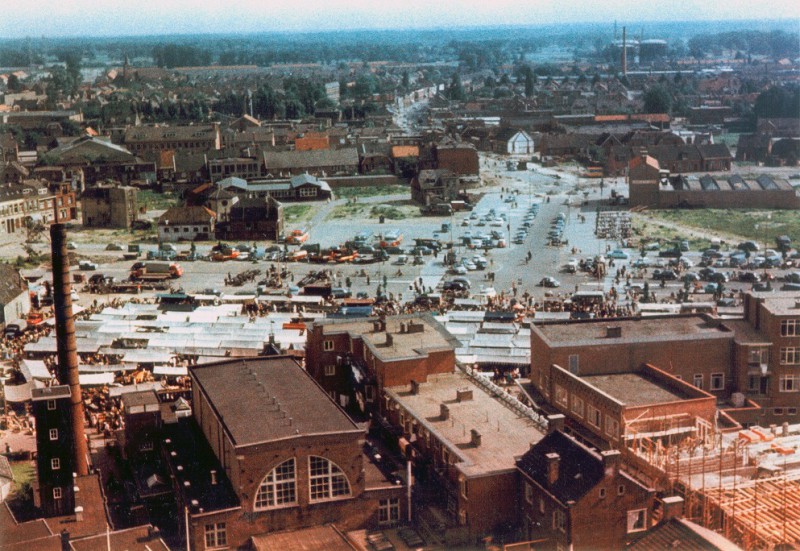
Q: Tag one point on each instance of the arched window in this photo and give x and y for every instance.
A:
(326, 480)
(279, 487)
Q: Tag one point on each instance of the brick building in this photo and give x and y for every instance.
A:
(273, 452)
(573, 497)
(463, 437)
(254, 218)
(654, 187)
(55, 464)
(109, 207)
(749, 365)
(153, 139)
(186, 224)
(431, 187)
(354, 360)
(461, 159)
(612, 408)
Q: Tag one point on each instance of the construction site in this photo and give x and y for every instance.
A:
(743, 484)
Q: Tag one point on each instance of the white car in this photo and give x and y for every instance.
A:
(469, 265)
(458, 269)
(74, 296)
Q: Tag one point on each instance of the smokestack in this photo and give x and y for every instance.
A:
(66, 345)
(624, 52)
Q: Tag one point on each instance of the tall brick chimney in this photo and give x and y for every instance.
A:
(553, 461)
(67, 347)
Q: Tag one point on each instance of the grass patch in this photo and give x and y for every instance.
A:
(21, 498)
(397, 210)
(758, 225)
(371, 191)
(153, 200)
(294, 213)
(389, 213)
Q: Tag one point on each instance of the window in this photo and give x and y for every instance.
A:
(51, 405)
(278, 489)
(541, 505)
(326, 481)
(216, 535)
(389, 511)
(57, 493)
(327, 346)
(791, 411)
(602, 493)
(577, 406)
(790, 328)
(559, 520)
(697, 380)
(717, 381)
(612, 427)
(777, 411)
(330, 370)
(529, 493)
(789, 383)
(621, 490)
(573, 363)
(55, 463)
(790, 355)
(464, 483)
(637, 520)
(53, 434)
(594, 417)
(562, 396)
(369, 393)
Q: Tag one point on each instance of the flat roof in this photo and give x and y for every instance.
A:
(652, 329)
(432, 336)
(316, 538)
(634, 389)
(505, 433)
(780, 303)
(267, 399)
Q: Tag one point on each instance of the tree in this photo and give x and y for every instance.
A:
(657, 100)
(778, 102)
(456, 90)
(530, 80)
(14, 85)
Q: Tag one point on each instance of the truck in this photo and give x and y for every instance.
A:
(156, 271)
(438, 209)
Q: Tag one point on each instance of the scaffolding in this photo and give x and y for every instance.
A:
(743, 488)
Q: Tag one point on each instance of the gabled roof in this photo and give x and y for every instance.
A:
(684, 535)
(175, 216)
(268, 399)
(11, 285)
(310, 159)
(580, 469)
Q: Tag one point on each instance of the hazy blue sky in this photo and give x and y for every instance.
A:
(135, 17)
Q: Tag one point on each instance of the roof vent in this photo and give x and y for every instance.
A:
(463, 394)
(444, 412)
(614, 332)
(475, 438)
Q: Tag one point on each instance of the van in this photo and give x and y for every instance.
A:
(401, 260)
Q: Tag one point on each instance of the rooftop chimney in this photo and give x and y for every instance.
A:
(673, 508)
(611, 459)
(614, 332)
(67, 347)
(555, 422)
(475, 438)
(414, 387)
(553, 459)
(463, 394)
(213, 477)
(389, 339)
(444, 412)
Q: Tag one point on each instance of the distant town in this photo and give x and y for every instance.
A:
(504, 289)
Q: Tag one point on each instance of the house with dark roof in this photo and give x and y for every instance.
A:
(186, 224)
(252, 218)
(513, 141)
(574, 497)
(271, 452)
(320, 162)
(15, 302)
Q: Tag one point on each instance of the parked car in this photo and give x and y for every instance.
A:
(751, 246)
(341, 292)
(619, 254)
(114, 247)
(549, 282)
(750, 277)
(87, 266)
(665, 275)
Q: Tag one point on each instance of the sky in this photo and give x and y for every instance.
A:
(51, 18)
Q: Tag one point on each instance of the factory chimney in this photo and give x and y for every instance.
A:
(66, 344)
(624, 52)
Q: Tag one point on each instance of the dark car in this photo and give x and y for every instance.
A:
(340, 292)
(12, 331)
(454, 286)
(750, 277)
(665, 275)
